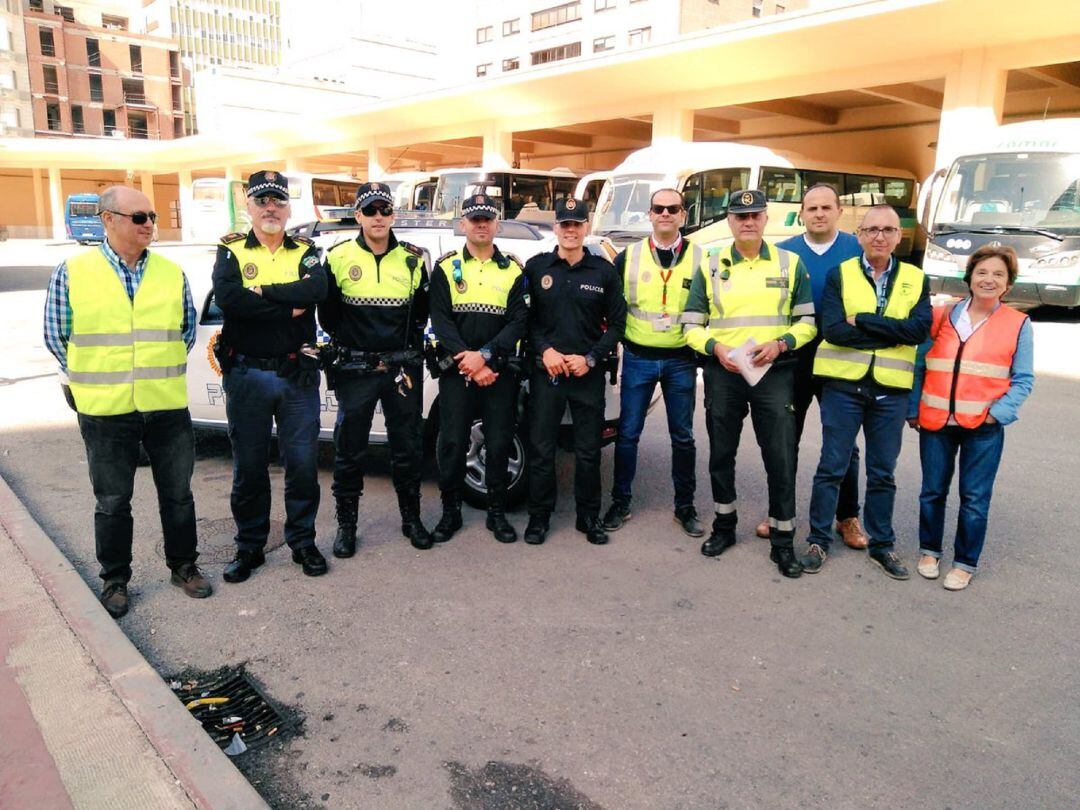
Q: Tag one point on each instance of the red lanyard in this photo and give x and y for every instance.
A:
(664, 277)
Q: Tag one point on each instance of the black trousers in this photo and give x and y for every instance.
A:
(357, 396)
(112, 455)
(728, 398)
(547, 404)
(459, 405)
(807, 386)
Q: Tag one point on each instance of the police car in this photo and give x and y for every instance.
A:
(206, 393)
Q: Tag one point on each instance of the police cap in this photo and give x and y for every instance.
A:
(267, 183)
(370, 193)
(747, 201)
(570, 210)
(479, 206)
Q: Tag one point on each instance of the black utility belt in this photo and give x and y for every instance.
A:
(264, 363)
(349, 355)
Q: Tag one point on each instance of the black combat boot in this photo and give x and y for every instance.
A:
(450, 521)
(497, 523)
(411, 524)
(721, 539)
(345, 541)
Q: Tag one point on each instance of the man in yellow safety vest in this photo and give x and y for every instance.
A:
(120, 321)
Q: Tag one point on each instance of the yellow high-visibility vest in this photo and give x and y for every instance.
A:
(652, 317)
(478, 291)
(123, 355)
(391, 281)
(893, 367)
(259, 267)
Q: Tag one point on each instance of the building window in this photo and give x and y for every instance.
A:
(52, 117)
(133, 91)
(556, 54)
(37, 5)
(176, 105)
(65, 12)
(52, 84)
(603, 43)
(108, 120)
(174, 64)
(482, 70)
(96, 93)
(556, 15)
(603, 5)
(511, 64)
(137, 126)
(511, 27)
(178, 127)
(485, 34)
(755, 11)
(77, 124)
(640, 36)
(135, 52)
(48, 47)
(93, 53)
(117, 23)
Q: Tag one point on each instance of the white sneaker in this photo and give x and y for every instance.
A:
(957, 580)
(928, 567)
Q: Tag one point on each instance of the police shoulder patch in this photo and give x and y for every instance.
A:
(447, 255)
(303, 240)
(229, 238)
(515, 260)
(339, 244)
(413, 249)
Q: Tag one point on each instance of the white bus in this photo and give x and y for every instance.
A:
(707, 174)
(413, 191)
(527, 194)
(219, 206)
(1019, 187)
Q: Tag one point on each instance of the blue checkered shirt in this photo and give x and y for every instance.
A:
(58, 305)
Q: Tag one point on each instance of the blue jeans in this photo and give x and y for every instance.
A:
(980, 453)
(255, 400)
(678, 382)
(879, 413)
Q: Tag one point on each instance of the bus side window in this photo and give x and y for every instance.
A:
(781, 185)
(715, 191)
(692, 200)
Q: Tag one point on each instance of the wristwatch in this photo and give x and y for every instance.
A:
(782, 345)
(590, 361)
(486, 354)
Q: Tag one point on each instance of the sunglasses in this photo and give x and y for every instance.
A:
(376, 208)
(671, 209)
(480, 218)
(267, 199)
(138, 217)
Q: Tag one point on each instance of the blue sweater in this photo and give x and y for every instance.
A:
(845, 247)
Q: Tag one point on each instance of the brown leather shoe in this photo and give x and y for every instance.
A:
(191, 579)
(762, 529)
(114, 598)
(851, 532)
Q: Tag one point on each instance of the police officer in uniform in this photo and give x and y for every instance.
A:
(574, 296)
(376, 312)
(656, 274)
(267, 285)
(751, 290)
(478, 315)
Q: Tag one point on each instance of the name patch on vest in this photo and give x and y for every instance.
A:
(250, 270)
(776, 281)
(591, 288)
(355, 272)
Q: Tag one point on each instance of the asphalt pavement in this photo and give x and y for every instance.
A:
(635, 675)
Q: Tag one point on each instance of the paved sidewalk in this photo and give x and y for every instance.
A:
(86, 721)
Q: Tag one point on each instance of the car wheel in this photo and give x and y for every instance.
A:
(475, 493)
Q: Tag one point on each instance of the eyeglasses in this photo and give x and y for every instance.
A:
(267, 199)
(874, 233)
(376, 208)
(136, 217)
(671, 209)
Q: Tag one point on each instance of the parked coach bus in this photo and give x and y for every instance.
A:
(219, 206)
(81, 219)
(1020, 187)
(707, 173)
(525, 194)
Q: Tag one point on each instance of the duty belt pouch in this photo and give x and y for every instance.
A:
(224, 355)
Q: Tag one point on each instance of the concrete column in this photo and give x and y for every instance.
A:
(378, 161)
(40, 225)
(232, 173)
(186, 198)
(292, 164)
(146, 186)
(56, 205)
(498, 147)
(672, 124)
(974, 98)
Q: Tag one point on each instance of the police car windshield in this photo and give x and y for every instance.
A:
(1019, 192)
(624, 204)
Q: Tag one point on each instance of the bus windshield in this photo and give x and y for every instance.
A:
(451, 190)
(82, 209)
(1018, 191)
(625, 203)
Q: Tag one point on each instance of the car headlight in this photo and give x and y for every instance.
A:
(938, 254)
(1057, 261)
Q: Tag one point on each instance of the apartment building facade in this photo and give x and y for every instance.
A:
(16, 113)
(92, 75)
(508, 37)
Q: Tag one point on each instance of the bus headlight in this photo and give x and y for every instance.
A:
(1057, 261)
(938, 254)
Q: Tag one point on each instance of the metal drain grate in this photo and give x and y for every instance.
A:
(231, 708)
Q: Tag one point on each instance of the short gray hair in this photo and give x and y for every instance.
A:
(107, 200)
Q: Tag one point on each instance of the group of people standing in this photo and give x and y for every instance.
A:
(823, 314)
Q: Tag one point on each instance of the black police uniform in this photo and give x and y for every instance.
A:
(477, 306)
(377, 331)
(268, 378)
(576, 309)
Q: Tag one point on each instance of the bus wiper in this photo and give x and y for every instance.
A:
(1018, 229)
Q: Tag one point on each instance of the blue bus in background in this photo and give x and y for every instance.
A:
(81, 219)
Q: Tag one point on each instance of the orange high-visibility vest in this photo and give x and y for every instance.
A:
(964, 378)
